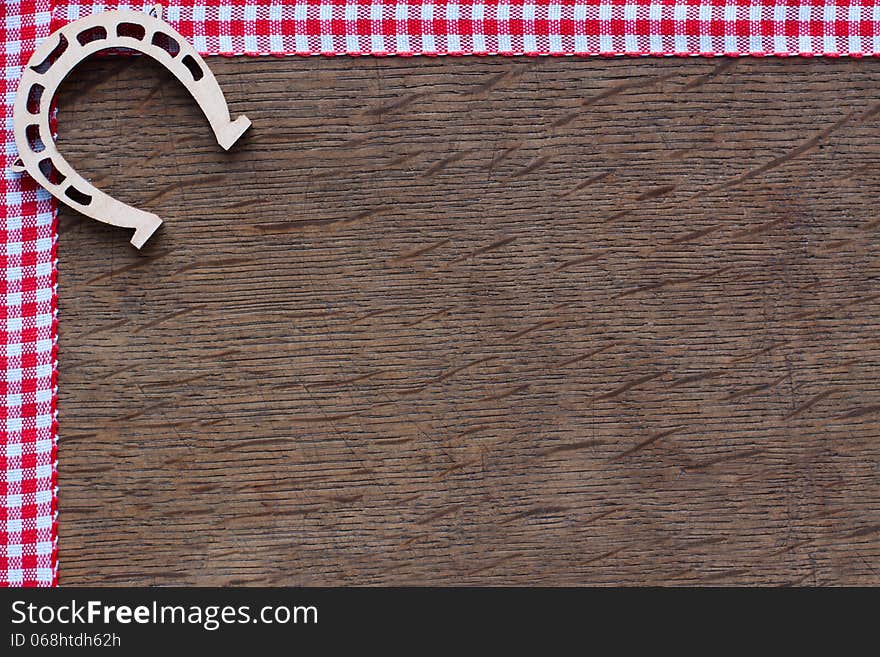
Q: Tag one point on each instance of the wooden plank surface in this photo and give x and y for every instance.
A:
(482, 321)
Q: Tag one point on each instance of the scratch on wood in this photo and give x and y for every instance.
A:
(630, 385)
(571, 447)
(650, 440)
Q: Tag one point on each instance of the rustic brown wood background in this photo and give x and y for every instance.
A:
(481, 321)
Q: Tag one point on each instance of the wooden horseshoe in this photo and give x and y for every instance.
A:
(51, 63)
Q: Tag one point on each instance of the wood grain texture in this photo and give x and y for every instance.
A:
(479, 321)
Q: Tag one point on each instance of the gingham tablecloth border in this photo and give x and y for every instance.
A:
(566, 27)
(28, 516)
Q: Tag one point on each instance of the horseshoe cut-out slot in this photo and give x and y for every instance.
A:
(166, 43)
(193, 67)
(52, 57)
(92, 34)
(35, 142)
(131, 30)
(77, 196)
(53, 175)
(34, 96)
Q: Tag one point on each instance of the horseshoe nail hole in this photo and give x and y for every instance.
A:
(166, 43)
(77, 196)
(53, 56)
(32, 132)
(47, 167)
(194, 68)
(92, 34)
(131, 30)
(34, 96)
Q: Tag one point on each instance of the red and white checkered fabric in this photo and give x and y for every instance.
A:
(515, 27)
(328, 27)
(27, 333)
